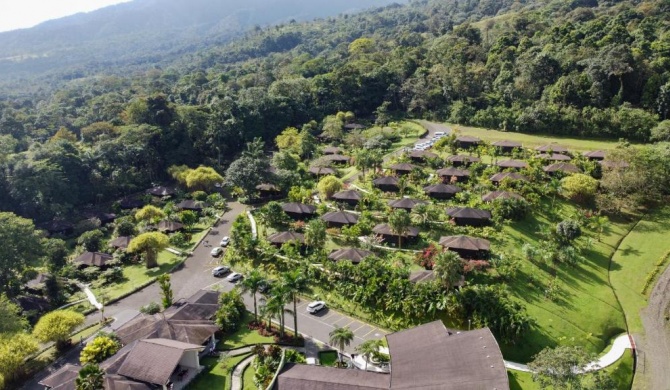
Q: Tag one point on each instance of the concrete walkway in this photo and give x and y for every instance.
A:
(621, 344)
(236, 383)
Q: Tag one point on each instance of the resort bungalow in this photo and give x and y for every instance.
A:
(468, 216)
(420, 156)
(459, 160)
(120, 242)
(387, 183)
(318, 171)
(267, 190)
(453, 175)
(512, 164)
(299, 211)
(441, 191)
(131, 202)
(338, 219)
(512, 176)
(354, 255)
(388, 235)
(467, 247)
(403, 168)
(96, 259)
(495, 195)
(280, 238)
(169, 226)
(596, 155)
(350, 197)
(561, 167)
(161, 191)
(405, 203)
(506, 146)
(331, 150)
(552, 148)
(467, 142)
(191, 205)
(554, 157)
(337, 158)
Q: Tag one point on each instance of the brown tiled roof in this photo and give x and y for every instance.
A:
(467, 138)
(117, 382)
(385, 229)
(386, 181)
(493, 195)
(303, 377)
(355, 255)
(498, 177)
(336, 158)
(205, 296)
(64, 377)
(298, 208)
(405, 203)
(512, 164)
(468, 212)
(120, 242)
(341, 217)
(563, 167)
(465, 242)
(185, 311)
(93, 258)
(596, 154)
(442, 189)
(348, 195)
(507, 144)
(554, 157)
(429, 357)
(158, 326)
(284, 237)
(190, 204)
(169, 226)
(451, 171)
(555, 148)
(331, 150)
(131, 203)
(405, 167)
(322, 170)
(154, 360)
(463, 158)
(38, 281)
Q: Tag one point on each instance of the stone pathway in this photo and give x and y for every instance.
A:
(621, 344)
(236, 383)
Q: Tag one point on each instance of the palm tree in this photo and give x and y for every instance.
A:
(599, 223)
(448, 268)
(91, 377)
(341, 337)
(274, 307)
(251, 284)
(399, 222)
(368, 348)
(294, 283)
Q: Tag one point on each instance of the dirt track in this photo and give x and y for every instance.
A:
(653, 369)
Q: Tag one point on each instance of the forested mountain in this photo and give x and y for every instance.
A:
(148, 32)
(573, 67)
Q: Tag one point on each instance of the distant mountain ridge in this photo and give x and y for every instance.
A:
(146, 30)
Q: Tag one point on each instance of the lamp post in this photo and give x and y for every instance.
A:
(469, 323)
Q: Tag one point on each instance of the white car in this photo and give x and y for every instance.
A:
(220, 270)
(216, 251)
(440, 134)
(234, 277)
(225, 241)
(315, 307)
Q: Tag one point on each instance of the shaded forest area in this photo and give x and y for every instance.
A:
(583, 68)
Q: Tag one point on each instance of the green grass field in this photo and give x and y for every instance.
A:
(215, 375)
(243, 336)
(248, 378)
(531, 140)
(637, 256)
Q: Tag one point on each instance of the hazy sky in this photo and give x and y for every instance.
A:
(27, 13)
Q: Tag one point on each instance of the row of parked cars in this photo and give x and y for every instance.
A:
(429, 144)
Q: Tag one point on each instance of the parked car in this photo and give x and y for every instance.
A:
(225, 241)
(234, 277)
(216, 251)
(440, 134)
(265, 287)
(220, 270)
(315, 307)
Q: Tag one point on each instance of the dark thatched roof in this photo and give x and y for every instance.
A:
(441, 188)
(154, 360)
(403, 167)
(465, 242)
(284, 237)
(340, 217)
(304, 377)
(498, 177)
(120, 242)
(451, 171)
(554, 148)
(93, 258)
(336, 158)
(331, 150)
(494, 195)
(131, 202)
(468, 212)
(596, 154)
(554, 157)
(298, 208)
(561, 167)
(161, 191)
(322, 170)
(190, 204)
(461, 158)
(512, 164)
(355, 255)
(385, 229)
(38, 281)
(169, 226)
(267, 187)
(468, 139)
(507, 144)
(386, 181)
(32, 303)
(348, 195)
(405, 203)
(431, 357)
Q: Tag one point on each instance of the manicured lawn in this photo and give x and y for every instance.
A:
(636, 258)
(585, 311)
(243, 337)
(530, 140)
(215, 376)
(328, 358)
(248, 378)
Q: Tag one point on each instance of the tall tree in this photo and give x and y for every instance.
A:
(14, 349)
(11, 320)
(251, 284)
(448, 268)
(399, 222)
(294, 283)
(57, 326)
(560, 367)
(20, 247)
(166, 290)
(367, 349)
(90, 377)
(315, 234)
(150, 244)
(341, 337)
(150, 214)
